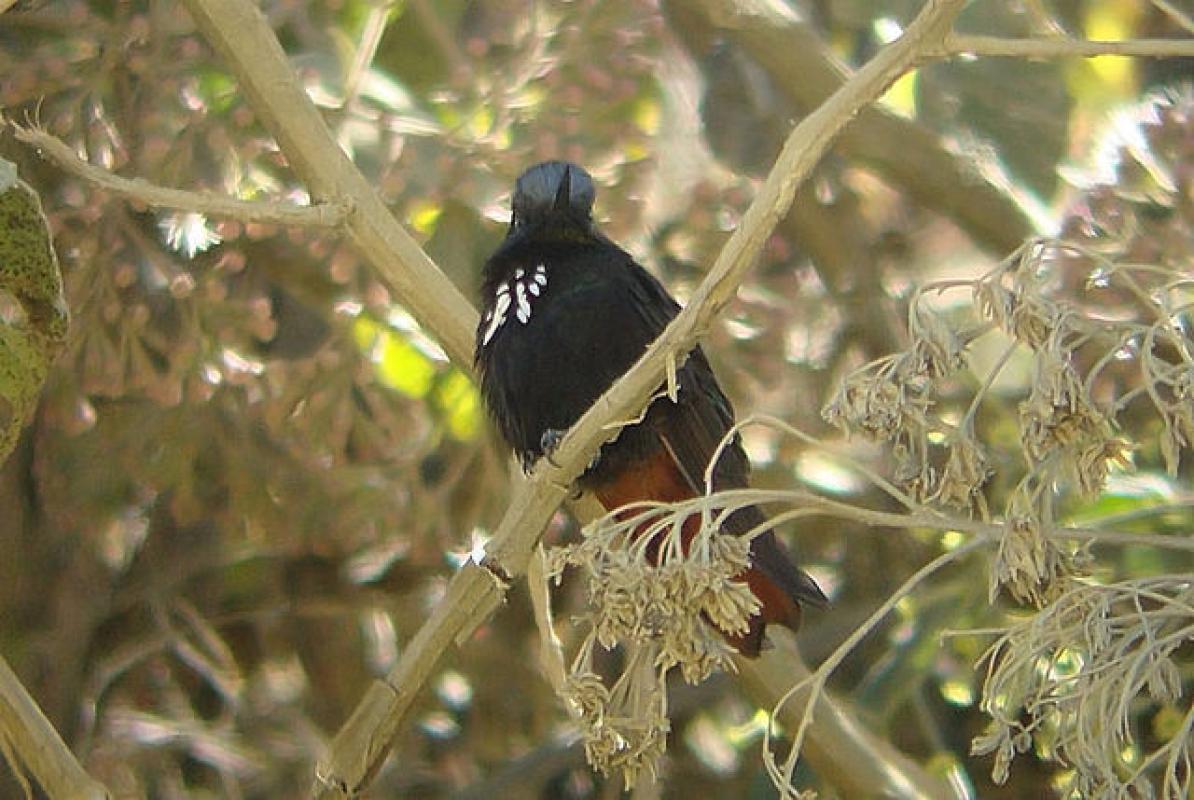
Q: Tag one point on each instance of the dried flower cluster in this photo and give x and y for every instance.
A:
(1068, 438)
(663, 600)
(891, 400)
(1099, 320)
(625, 728)
(1032, 565)
(1067, 682)
(1073, 682)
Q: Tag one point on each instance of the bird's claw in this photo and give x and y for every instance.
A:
(549, 442)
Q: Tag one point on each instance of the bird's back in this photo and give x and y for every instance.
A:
(581, 333)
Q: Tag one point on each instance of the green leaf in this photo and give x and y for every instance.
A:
(460, 402)
(403, 368)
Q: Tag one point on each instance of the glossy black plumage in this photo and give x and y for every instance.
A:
(577, 313)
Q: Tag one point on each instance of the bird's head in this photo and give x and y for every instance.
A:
(553, 194)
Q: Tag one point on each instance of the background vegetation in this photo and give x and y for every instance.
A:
(251, 471)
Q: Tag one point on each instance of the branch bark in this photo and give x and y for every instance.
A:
(27, 734)
(239, 31)
(904, 152)
(323, 215)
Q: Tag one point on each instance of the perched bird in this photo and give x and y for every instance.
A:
(565, 313)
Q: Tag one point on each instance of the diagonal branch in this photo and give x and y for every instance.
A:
(322, 215)
(238, 30)
(26, 734)
(908, 154)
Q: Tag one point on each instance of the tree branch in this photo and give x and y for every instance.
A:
(1177, 15)
(321, 215)
(957, 44)
(240, 32)
(904, 152)
(25, 731)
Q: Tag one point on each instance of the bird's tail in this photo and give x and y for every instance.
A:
(773, 577)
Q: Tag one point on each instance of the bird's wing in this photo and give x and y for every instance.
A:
(693, 426)
(692, 429)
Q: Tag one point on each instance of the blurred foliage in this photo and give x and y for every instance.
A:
(251, 472)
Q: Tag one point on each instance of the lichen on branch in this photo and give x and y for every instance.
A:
(33, 313)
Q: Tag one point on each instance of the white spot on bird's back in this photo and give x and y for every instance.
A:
(524, 287)
(524, 304)
(497, 316)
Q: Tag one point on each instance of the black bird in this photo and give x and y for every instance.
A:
(566, 313)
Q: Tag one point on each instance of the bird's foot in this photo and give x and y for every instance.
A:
(549, 442)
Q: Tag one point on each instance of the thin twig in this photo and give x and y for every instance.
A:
(924, 518)
(321, 215)
(362, 60)
(39, 748)
(1177, 15)
(957, 44)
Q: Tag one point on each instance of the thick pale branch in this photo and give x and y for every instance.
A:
(242, 34)
(802, 67)
(26, 732)
(322, 215)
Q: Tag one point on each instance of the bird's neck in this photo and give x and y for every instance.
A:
(549, 245)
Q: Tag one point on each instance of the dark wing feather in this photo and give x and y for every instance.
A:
(692, 428)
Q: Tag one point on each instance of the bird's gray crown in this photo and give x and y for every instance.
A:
(553, 187)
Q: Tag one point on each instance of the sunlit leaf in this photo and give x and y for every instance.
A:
(1114, 21)
(901, 97)
(423, 216)
(647, 115)
(480, 122)
(365, 332)
(461, 404)
(402, 367)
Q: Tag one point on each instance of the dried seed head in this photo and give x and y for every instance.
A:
(966, 472)
(1029, 563)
